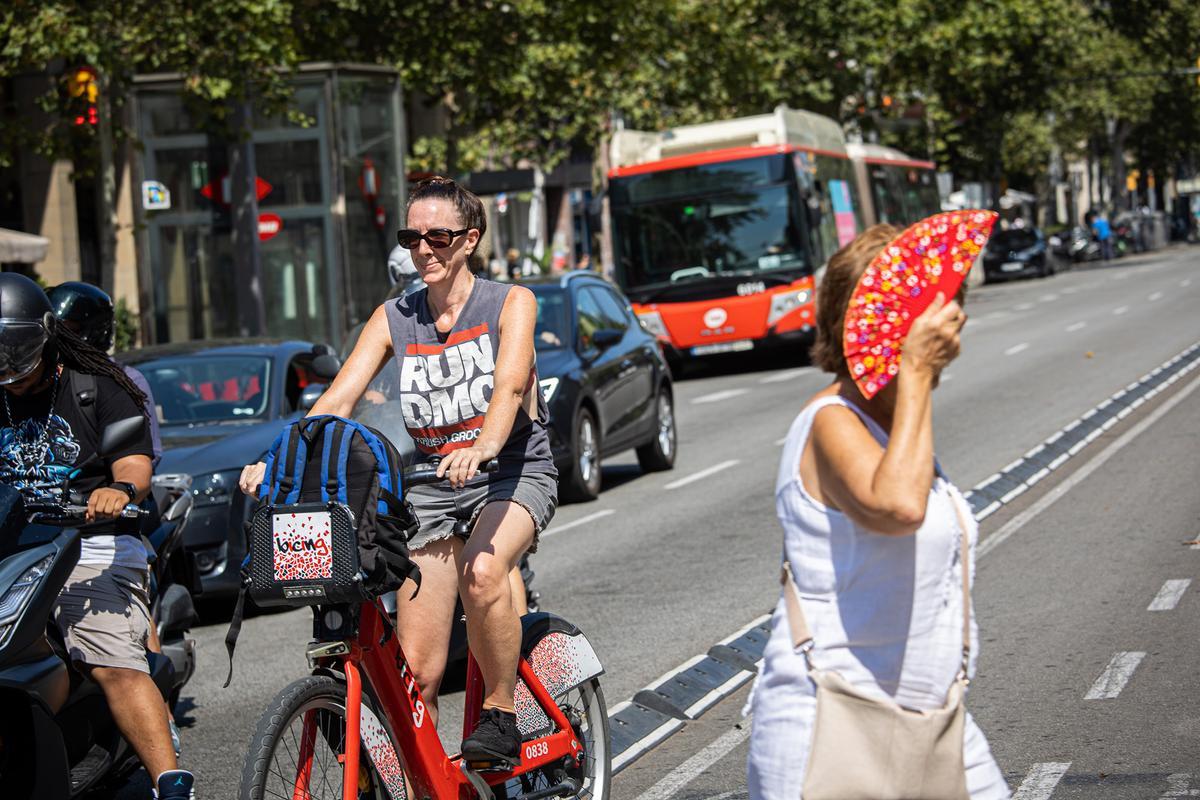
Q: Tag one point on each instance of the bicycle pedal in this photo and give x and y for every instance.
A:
(496, 764)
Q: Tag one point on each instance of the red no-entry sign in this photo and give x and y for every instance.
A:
(268, 226)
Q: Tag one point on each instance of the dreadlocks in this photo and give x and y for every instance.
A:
(78, 355)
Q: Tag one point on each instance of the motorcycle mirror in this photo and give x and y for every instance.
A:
(311, 394)
(326, 366)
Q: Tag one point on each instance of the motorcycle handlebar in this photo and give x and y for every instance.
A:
(70, 512)
(424, 474)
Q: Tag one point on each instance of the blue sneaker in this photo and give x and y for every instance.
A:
(175, 784)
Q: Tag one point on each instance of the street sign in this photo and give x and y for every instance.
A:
(219, 190)
(380, 217)
(268, 226)
(155, 196)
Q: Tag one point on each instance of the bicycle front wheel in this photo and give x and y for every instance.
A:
(298, 750)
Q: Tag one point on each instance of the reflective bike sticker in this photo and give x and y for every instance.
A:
(382, 754)
(303, 546)
(561, 662)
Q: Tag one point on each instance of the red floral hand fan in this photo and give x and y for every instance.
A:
(932, 256)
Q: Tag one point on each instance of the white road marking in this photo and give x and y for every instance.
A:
(1069, 289)
(1048, 298)
(1120, 309)
(1155, 296)
(646, 743)
(689, 770)
(787, 375)
(1179, 785)
(1055, 494)
(1118, 672)
(1120, 276)
(946, 376)
(1023, 306)
(1186, 282)
(1041, 780)
(1016, 348)
(704, 473)
(1169, 595)
(1076, 326)
(716, 397)
(577, 522)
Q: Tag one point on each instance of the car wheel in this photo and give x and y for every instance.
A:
(583, 482)
(659, 453)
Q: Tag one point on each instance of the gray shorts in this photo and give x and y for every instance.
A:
(104, 616)
(438, 507)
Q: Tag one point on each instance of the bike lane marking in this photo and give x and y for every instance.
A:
(704, 473)
(689, 770)
(1118, 672)
(1041, 780)
(1169, 595)
(716, 397)
(566, 526)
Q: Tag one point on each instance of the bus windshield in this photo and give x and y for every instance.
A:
(689, 224)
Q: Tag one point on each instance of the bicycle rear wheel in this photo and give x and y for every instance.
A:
(299, 747)
(585, 708)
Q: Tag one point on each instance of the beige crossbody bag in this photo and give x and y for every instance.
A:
(865, 748)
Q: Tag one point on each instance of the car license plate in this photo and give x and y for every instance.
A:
(1012, 266)
(723, 347)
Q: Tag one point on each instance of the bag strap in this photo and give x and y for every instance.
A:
(802, 638)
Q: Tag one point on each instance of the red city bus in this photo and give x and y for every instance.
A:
(719, 247)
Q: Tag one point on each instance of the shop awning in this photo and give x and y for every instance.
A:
(22, 248)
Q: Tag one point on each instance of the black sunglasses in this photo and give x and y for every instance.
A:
(438, 238)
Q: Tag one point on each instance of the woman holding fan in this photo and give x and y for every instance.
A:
(872, 640)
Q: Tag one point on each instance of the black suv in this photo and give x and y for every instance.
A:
(604, 378)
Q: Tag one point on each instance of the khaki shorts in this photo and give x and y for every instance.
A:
(104, 616)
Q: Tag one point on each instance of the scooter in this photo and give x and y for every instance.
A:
(57, 736)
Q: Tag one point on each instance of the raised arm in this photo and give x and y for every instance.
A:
(886, 490)
(514, 368)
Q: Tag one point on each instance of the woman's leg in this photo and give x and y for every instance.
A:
(423, 623)
(502, 533)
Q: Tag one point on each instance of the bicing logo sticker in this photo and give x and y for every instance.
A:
(303, 545)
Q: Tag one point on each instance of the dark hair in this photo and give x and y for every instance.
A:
(466, 203)
(845, 267)
(76, 354)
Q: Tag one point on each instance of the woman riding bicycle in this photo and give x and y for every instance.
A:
(469, 393)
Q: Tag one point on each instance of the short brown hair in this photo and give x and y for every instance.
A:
(466, 203)
(833, 295)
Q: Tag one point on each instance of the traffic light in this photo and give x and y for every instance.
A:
(83, 88)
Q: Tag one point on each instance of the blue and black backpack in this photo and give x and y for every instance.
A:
(331, 524)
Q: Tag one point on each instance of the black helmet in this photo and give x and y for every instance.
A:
(26, 323)
(87, 310)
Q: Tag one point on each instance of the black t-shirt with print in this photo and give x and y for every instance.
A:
(43, 447)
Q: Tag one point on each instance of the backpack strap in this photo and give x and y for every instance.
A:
(383, 465)
(335, 434)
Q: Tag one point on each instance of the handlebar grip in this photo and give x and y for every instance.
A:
(425, 474)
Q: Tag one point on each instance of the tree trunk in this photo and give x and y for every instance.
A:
(607, 263)
(1117, 157)
(106, 186)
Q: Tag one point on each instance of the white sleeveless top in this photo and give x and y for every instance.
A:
(885, 611)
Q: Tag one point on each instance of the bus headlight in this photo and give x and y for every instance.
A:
(785, 303)
(652, 321)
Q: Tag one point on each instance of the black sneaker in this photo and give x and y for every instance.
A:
(175, 785)
(495, 743)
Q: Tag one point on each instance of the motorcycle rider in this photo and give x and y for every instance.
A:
(47, 436)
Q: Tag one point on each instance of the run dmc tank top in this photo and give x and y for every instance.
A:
(446, 380)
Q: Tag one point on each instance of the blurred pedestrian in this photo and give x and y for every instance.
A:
(873, 538)
(513, 261)
(1103, 233)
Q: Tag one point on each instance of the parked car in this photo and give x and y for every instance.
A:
(221, 405)
(1017, 252)
(604, 378)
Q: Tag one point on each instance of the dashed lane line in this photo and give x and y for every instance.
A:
(1186, 282)
(686, 772)
(787, 375)
(1120, 310)
(1041, 780)
(1118, 672)
(1169, 595)
(716, 397)
(1076, 326)
(1120, 276)
(1155, 296)
(1023, 307)
(1048, 298)
(704, 473)
(1016, 348)
(557, 529)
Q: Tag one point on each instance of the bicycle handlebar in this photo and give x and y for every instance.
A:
(424, 474)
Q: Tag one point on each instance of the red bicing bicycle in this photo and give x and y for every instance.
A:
(357, 726)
